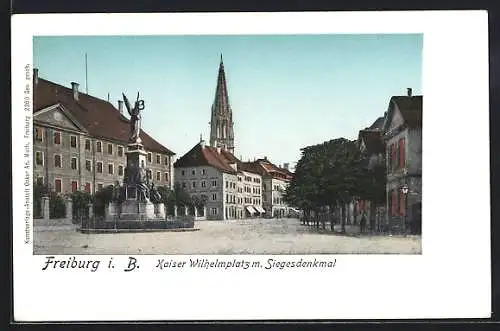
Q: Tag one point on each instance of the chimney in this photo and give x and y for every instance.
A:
(285, 165)
(120, 106)
(35, 76)
(408, 91)
(74, 86)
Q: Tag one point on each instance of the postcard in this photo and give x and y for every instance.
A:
(236, 166)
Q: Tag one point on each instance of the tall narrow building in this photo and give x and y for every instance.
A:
(221, 123)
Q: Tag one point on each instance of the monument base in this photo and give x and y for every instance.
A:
(133, 210)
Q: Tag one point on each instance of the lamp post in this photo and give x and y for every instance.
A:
(404, 189)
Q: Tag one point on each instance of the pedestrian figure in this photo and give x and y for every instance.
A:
(362, 223)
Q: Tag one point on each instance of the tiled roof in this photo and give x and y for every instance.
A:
(100, 118)
(410, 108)
(264, 166)
(373, 141)
(207, 156)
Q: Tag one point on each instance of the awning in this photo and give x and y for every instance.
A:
(250, 209)
(260, 209)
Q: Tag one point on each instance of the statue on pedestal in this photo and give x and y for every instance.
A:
(135, 117)
(155, 194)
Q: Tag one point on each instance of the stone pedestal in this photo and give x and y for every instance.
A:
(45, 208)
(160, 210)
(137, 210)
(69, 208)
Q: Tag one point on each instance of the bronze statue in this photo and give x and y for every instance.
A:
(135, 117)
(142, 184)
(155, 194)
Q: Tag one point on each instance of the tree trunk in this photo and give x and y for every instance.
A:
(373, 216)
(342, 217)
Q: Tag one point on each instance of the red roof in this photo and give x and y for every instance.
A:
(208, 156)
(99, 117)
(265, 167)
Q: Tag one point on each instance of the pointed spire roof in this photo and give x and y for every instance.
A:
(221, 101)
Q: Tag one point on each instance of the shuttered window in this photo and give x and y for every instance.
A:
(402, 156)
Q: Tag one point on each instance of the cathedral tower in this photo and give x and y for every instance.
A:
(221, 123)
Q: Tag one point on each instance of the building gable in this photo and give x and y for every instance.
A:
(396, 119)
(57, 115)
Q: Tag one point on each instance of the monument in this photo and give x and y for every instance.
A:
(137, 200)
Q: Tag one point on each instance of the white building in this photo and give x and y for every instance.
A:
(215, 173)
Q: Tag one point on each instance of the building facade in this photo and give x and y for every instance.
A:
(230, 192)
(402, 134)
(80, 141)
(275, 181)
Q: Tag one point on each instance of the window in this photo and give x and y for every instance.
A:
(87, 144)
(57, 161)
(110, 168)
(227, 184)
(193, 184)
(74, 164)
(166, 176)
(39, 180)
(158, 176)
(99, 167)
(74, 186)
(183, 185)
(203, 172)
(39, 134)
(58, 185)
(120, 151)
(193, 172)
(87, 187)
(57, 138)
(166, 160)
(213, 211)
(227, 198)
(110, 149)
(203, 184)
(120, 170)
(72, 141)
(149, 174)
(99, 147)
(158, 158)
(99, 185)
(214, 196)
(88, 165)
(402, 155)
(149, 157)
(214, 183)
(393, 159)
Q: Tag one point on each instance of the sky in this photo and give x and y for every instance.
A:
(286, 91)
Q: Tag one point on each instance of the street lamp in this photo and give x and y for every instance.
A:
(404, 189)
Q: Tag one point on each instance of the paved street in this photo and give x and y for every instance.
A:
(257, 236)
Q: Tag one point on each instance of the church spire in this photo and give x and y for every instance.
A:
(221, 130)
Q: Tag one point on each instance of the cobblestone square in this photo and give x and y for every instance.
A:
(250, 236)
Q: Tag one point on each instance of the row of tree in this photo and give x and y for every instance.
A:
(80, 200)
(333, 174)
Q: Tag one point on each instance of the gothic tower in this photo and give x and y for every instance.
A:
(221, 123)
